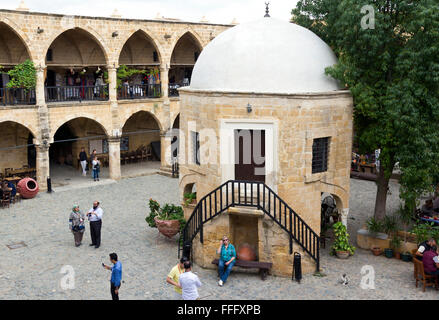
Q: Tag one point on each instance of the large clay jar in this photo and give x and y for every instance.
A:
(168, 228)
(246, 253)
(28, 188)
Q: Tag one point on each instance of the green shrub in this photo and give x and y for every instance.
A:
(374, 226)
(425, 231)
(341, 242)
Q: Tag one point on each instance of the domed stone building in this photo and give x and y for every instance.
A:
(260, 109)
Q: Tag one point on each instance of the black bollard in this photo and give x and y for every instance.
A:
(49, 185)
(297, 267)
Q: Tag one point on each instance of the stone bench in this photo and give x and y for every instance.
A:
(263, 267)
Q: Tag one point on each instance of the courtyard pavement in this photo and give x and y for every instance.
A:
(34, 271)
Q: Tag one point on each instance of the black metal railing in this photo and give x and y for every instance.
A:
(77, 93)
(139, 91)
(252, 194)
(17, 96)
(173, 92)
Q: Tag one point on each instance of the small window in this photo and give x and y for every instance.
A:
(320, 150)
(49, 56)
(196, 147)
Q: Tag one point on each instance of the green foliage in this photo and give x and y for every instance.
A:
(341, 242)
(23, 75)
(374, 226)
(395, 242)
(189, 197)
(167, 212)
(425, 231)
(392, 72)
(390, 224)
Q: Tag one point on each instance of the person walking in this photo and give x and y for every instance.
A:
(83, 161)
(92, 156)
(96, 168)
(116, 275)
(173, 278)
(189, 283)
(227, 259)
(95, 218)
(76, 224)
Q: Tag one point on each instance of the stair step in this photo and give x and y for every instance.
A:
(245, 211)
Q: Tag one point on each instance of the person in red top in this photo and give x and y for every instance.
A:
(430, 260)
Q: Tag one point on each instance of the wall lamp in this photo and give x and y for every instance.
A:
(249, 108)
(39, 30)
(115, 34)
(167, 36)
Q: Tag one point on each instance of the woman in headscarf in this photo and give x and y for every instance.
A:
(76, 224)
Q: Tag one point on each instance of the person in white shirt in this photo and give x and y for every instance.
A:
(95, 218)
(189, 283)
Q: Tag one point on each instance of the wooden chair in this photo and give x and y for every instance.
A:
(139, 155)
(8, 172)
(148, 153)
(126, 157)
(133, 156)
(427, 280)
(6, 199)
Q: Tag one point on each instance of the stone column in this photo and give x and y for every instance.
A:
(112, 87)
(42, 165)
(114, 157)
(165, 149)
(344, 216)
(39, 88)
(164, 80)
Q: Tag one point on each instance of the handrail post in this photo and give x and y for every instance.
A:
(258, 196)
(201, 223)
(233, 193)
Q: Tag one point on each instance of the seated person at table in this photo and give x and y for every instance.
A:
(9, 186)
(431, 262)
(424, 247)
(427, 208)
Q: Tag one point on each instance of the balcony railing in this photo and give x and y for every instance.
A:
(139, 91)
(77, 93)
(173, 92)
(17, 96)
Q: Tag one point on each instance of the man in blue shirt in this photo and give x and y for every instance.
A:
(116, 275)
(227, 259)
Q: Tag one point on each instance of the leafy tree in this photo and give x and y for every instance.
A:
(23, 75)
(392, 72)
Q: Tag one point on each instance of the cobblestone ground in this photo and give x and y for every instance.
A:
(34, 272)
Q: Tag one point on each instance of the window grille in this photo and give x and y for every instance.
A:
(320, 151)
(196, 147)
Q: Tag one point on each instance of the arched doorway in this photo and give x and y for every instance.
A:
(140, 150)
(183, 59)
(17, 151)
(76, 66)
(13, 51)
(139, 71)
(69, 139)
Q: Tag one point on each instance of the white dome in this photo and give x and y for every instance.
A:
(265, 56)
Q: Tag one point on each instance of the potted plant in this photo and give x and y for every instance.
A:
(374, 226)
(341, 246)
(376, 251)
(190, 198)
(388, 252)
(395, 243)
(406, 256)
(169, 219)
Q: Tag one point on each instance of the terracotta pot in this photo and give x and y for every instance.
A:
(342, 254)
(168, 228)
(246, 253)
(28, 188)
(397, 255)
(376, 251)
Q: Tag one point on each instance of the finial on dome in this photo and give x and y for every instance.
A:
(22, 6)
(267, 15)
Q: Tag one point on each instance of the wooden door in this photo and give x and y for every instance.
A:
(250, 155)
